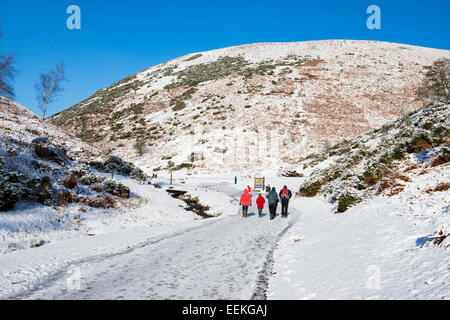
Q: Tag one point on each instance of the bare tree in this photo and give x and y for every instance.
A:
(49, 87)
(7, 73)
(436, 84)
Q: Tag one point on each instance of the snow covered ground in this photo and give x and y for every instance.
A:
(376, 250)
(381, 248)
(368, 253)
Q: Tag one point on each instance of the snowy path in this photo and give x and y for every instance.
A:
(187, 266)
(228, 258)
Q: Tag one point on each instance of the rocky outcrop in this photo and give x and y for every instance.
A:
(44, 150)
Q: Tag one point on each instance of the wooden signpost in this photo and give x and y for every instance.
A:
(259, 183)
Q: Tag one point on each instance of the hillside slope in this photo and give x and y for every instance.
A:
(41, 164)
(206, 111)
(405, 162)
(54, 187)
(375, 220)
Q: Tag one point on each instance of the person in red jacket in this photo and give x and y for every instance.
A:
(246, 201)
(260, 203)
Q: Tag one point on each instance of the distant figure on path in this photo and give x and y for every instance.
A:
(272, 198)
(285, 195)
(260, 203)
(246, 201)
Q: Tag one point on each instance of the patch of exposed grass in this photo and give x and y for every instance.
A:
(347, 200)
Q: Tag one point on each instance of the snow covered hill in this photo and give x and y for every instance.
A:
(209, 111)
(19, 124)
(53, 186)
(405, 161)
(40, 163)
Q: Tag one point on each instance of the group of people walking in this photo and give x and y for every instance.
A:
(272, 198)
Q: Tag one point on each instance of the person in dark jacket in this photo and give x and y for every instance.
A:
(268, 188)
(285, 196)
(272, 198)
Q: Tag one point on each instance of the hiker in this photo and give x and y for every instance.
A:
(272, 198)
(267, 189)
(246, 201)
(285, 195)
(260, 203)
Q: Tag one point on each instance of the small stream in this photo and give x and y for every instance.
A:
(192, 204)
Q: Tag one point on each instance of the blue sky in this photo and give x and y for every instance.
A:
(119, 38)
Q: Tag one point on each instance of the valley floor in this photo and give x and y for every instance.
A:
(370, 252)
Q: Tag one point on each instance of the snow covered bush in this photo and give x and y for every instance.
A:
(119, 166)
(442, 236)
(44, 150)
(347, 200)
(85, 176)
(64, 197)
(10, 190)
(45, 190)
(443, 156)
(310, 188)
(104, 202)
(69, 181)
(419, 143)
(116, 189)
